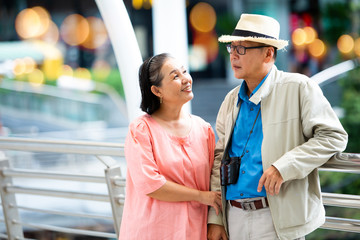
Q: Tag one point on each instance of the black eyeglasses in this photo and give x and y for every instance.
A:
(241, 50)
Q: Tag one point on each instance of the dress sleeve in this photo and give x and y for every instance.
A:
(141, 166)
(211, 144)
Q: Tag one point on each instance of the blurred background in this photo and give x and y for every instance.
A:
(59, 76)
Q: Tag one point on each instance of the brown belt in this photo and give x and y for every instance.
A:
(251, 205)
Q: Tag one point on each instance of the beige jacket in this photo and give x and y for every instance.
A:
(301, 132)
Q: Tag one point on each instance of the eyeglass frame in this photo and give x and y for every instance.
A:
(230, 48)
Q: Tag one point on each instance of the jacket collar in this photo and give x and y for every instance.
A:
(265, 88)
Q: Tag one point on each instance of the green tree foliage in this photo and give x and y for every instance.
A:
(336, 20)
(351, 106)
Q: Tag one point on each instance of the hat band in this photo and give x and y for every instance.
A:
(244, 33)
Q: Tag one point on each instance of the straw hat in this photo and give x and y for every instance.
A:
(256, 28)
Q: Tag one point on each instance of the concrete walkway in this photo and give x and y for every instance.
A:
(208, 96)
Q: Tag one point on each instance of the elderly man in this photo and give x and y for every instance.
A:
(274, 130)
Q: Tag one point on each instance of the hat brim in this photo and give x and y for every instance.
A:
(279, 44)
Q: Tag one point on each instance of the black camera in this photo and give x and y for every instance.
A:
(229, 170)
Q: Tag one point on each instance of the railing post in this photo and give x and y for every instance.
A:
(8, 200)
(116, 193)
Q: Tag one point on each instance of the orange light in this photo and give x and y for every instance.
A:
(317, 48)
(97, 34)
(67, 70)
(82, 73)
(311, 34)
(357, 47)
(298, 37)
(44, 17)
(52, 34)
(209, 42)
(203, 17)
(345, 44)
(19, 67)
(75, 29)
(32, 22)
(137, 4)
(30, 64)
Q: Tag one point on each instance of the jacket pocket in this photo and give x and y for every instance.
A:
(297, 205)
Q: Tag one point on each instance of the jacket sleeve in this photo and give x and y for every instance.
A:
(323, 131)
(219, 151)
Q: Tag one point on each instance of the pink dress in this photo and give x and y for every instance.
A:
(154, 156)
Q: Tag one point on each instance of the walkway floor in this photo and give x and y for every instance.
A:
(208, 96)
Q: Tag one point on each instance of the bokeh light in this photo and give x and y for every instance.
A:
(317, 48)
(311, 34)
(82, 73)
(299, 37)
(101, 70)
(138, 4)
(67, 70)
(19, 67)
(30, 64)
(203, 17)
(357, 47)
(75, 29)
(345, 44)
(51, 35)
(209, 42)
(32, 22)
(197, 58)
(97, 33)
(36, 77)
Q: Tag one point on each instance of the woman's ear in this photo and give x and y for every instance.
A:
(156, 91)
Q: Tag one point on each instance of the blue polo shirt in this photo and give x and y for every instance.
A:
(251, 168)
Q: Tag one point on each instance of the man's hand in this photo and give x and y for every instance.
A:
(271, 180)
(216, 232)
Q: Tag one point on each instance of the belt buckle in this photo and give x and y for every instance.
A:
(248, 206)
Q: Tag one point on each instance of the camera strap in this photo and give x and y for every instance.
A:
(251, 131)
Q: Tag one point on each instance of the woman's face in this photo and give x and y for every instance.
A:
(176, 85)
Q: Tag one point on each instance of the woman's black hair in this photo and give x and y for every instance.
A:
(150, 74)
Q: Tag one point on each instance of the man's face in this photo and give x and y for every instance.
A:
(249, 65)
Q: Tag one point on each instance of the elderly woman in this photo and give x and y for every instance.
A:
(169, 155)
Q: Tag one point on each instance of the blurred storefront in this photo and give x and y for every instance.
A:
(76, 28)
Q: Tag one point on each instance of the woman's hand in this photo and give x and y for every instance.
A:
(212, 199)
(173, 192)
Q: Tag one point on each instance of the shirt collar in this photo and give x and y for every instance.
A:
(242, 95)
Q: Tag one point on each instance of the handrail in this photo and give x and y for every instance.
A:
(62, 146)
(58, 193)
(341, 200)
(329, 75)
(342, 224)
(52, 175)
(68, 230)
(341, 162)
(63, 213)
(103, 151)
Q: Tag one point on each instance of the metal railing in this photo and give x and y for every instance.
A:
(105, 152)
(17, 183)
(345, 163)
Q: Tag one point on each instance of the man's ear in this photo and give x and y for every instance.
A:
(156, 91)
(269, 53)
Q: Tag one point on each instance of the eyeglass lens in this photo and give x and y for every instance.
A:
(239, 49)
